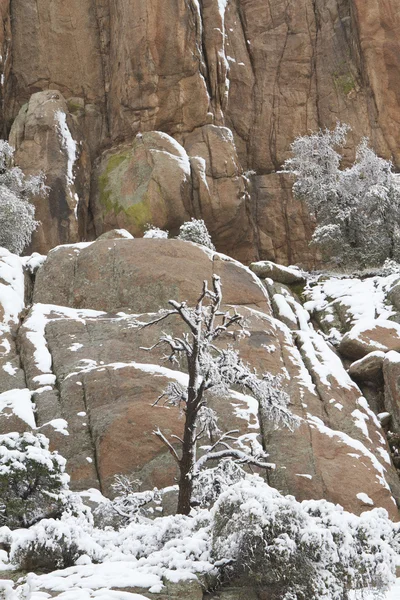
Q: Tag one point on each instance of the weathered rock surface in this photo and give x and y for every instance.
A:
(373, 336)
(146, 182)
(44, 137)
(391, 374)
(93, 383)
(268, 74)
(287, 275)
(368, 368)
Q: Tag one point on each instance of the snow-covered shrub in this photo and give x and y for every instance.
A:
(130, 502)
(155, 232)
(357, 209)
(54, 544)
(176, 542)
(312, 550)
(33, 484)
(196, 231)
(389, 267)
(210, 483)
(17, 222)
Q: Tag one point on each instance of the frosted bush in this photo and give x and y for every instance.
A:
(53, 544)
(309, 551)
(33, 484)
(357, 209)
(173, 543)
(17, 222)
(196, 231)
(210, 483)
(130, 502)
(153, 232)
(389, 267)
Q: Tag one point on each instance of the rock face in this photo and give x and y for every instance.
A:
(44, 137)
(266, 73)
(372, 337)
(84, 360)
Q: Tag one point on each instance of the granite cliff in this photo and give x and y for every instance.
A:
(156, 111)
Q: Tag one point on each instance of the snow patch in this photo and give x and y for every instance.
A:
(365, 499)
(19, 402)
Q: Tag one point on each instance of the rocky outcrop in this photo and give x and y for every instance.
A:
(268, 74)
(45, 140)
(93, 382)
(371, 337)
(361, 318)
(287, 275)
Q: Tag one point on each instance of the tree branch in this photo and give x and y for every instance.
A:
(158, 433)
(238, 455)
(164, 316)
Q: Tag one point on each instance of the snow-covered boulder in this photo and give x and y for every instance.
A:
(279, 273)
(115, 234)
(368, 368)
(370, 336)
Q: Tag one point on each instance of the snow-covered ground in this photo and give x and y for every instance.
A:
(350, 300)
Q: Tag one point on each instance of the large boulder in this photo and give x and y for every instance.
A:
(286, 275)
(43, 135)
(370, 336)
(368, 368)
(140, 275)
(148, 181)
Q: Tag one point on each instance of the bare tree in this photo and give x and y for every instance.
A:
(215, 369)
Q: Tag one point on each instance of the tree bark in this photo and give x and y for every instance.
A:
(188, 459)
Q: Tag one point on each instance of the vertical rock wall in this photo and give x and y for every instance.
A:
(267, 71)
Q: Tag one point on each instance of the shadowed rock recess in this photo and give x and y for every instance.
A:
(75, 352)
(156, 111)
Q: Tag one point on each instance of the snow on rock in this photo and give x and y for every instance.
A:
(284, 310)
(19, 402)
(352, 443)
(322, 361)
(12, 289)
(279, 273)
(70, 147)
(34, 329)
(8, 368)
(365, 499)
(116, 234)
(341, 303)
(370, 336)
(368, 368)
(33, 262)
(59, 425)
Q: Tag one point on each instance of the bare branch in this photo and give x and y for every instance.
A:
(176, 437)
(225, 436)
(164, 316)
(181, 309)
(164, 440)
